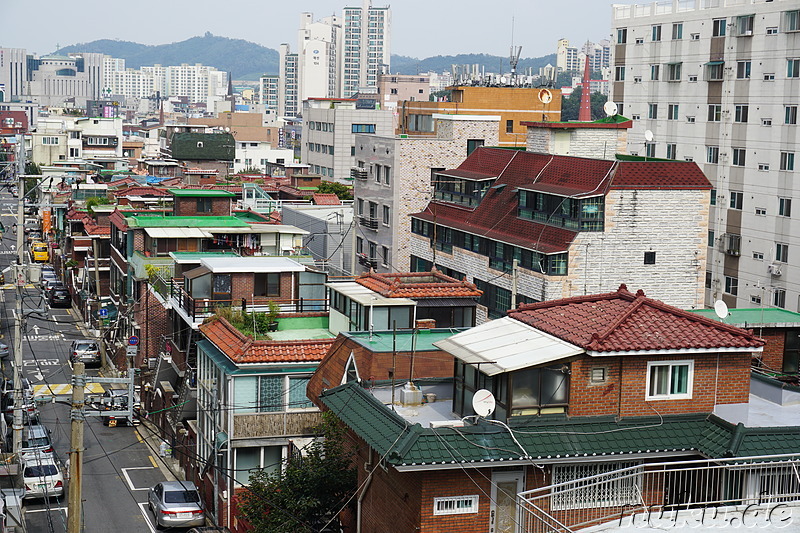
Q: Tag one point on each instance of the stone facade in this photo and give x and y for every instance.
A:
(603, 143)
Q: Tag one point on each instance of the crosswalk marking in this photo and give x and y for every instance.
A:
(64, 389)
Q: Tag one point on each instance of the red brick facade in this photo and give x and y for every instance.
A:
(772, 356)
(187, 207)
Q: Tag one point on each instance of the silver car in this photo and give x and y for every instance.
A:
(176, 504)
(85, 351)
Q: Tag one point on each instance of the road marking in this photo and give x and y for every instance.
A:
(139, 437)
(152, 461)
(65, 389)
(128, 478)
(55, 318)
(146, 514)
(65, 509)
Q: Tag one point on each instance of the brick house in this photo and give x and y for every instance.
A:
(571, 225)
(580, 386)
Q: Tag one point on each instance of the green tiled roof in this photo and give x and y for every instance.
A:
(403, 341)
(186, 222)
(407, 445)
(755, 317)
(201, 193)
(203, 146)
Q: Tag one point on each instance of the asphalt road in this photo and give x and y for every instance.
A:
(119, 466)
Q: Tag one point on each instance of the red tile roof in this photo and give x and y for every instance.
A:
(622, 322)
(418, 285)
(496, 215)
(242, 349)
(326, 199)
(141, 190)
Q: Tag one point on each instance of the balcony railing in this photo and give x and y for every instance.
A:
(368, 222)
(674, 493)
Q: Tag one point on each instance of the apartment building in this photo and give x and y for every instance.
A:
(717, 82)
(288, 102)
(366, 46)
(318, 46)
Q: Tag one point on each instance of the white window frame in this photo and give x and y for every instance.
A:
(452, 505)
(668, 396)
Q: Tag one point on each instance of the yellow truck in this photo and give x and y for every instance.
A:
(39, 252)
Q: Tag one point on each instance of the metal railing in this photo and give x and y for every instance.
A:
(199, 308)
(639, 492)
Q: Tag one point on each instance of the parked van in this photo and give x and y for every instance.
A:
(40, 252)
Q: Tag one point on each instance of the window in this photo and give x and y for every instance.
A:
(694, 36)
(359, 245)
(692, 78)
(649, 258)
(793, 68)
(50, 140)
(535, 389)
(622, 35)
(636, 117)
(674, 71)
(766, 122)
(731, 285)
(671, 150)
(385, 260)
(790, 116)
(672, 112)
(733, 245)
(652, 110)
(758, 256)
(779, 298)
(739, 157)
(677, 31)
(741, 112)
(386, 215)
(656, 33)
(737, 198)
(791, 20)
(787, 161)
(637, 79)
(718, 27)
(654, 72)
(769, 76)
(782, 252)
(772, 30)
(744, 25)
(473, 144)
(669, 380)
(268, 284)
(640, 40)
(363, 128)
(509, 126)
(763, 167)
(612, 492)
(387, 175)
(715, 70)
(76, 152)
(598, 374)
(649, 149)
(690, 119)
(455, 505)
(619, 73)
(712, 154)
(743, 70)
(377, 170)
(711, 238)
(204, 205)
(784, 207)
(708, 279)
(755, 299)
(760, 211)
(714, 112)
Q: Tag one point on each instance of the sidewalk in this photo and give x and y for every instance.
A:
(168, 465)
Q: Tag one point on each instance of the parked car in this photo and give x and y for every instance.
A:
(57, 297)
(85, 351)
(35, 441)
(42, 477)
(209, 529)
(32, 224)
(48, 277)
(40, 252)
(29, 410)
(34, 236)
(4, 351)
(176, 504)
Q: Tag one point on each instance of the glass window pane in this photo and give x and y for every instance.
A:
(270, 394)
(297, 393)
(525, 388)
(680, 379)
(659, 379)
(555, 388)
(246, 459)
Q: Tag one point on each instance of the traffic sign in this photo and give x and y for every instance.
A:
(102, 312)
(131, 351)
(133, 340)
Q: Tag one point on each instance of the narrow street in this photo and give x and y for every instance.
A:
(119, 465)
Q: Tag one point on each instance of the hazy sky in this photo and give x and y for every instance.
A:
(420, 28)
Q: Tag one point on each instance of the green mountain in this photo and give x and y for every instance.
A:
(247, 61)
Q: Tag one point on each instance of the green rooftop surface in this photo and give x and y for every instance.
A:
(542, 438)
(406, 340)
(186, 222)
(768, 316)
(300, 334)
(249, 217)
(201, 193)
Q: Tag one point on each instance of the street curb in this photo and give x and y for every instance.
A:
(153, 442)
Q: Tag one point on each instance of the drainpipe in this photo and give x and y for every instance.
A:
(367, 483)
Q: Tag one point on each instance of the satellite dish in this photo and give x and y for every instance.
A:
(648, 135)
(610, 108)
(483, 403)
(503, 80)
(720, 308)
(545, 96)
(227, 128)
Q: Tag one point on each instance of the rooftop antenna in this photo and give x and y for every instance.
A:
(514, 58)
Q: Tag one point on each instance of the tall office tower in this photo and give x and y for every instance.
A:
(288, 104)
(718, 83)
(318, 45)
(13, 73)
(567, 57)
(366, 46)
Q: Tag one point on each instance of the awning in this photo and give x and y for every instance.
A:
(505, 345)
(447, 302)
(176, 233)
(712, 63)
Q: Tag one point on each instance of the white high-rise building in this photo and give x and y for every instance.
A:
(13, 73)
(718, 83)
(567, 57)
(366, 46)
(318, 45)
(268, 91)
(288, 103)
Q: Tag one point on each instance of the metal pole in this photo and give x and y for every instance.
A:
(514, 273)
(20, 275)
(77, 416)
(100, 320)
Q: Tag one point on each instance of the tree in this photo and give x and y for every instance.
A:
(94, 201)
(307, 493)
(32, 168)
(331, 187)
(571, 105)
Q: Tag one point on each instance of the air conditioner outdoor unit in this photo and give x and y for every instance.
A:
(748, 32)
(775, 270)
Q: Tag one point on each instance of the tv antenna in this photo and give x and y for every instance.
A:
(514, 57)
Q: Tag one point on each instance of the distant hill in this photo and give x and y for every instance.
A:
(247, 61)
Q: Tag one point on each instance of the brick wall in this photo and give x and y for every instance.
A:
(772, 356)
(187, 207)
(242, 284)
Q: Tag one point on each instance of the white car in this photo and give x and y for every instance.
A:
(42, 477)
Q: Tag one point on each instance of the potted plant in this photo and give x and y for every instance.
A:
(272, 316)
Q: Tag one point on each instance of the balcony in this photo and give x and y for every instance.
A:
(257, 425)
(368, 222)
(359, 173)
(164, 265)
(667, 494)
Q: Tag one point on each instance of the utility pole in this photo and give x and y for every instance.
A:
(77, 415)
(20, 275)
(100, 320)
